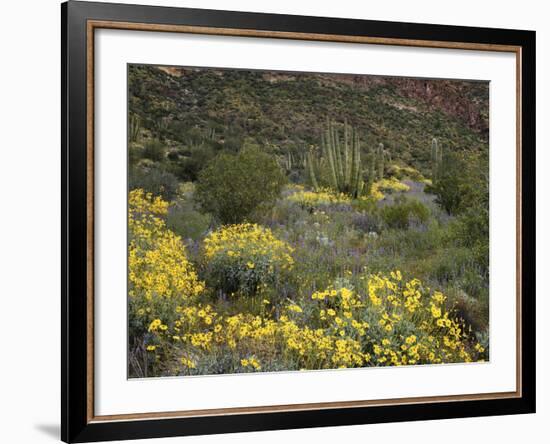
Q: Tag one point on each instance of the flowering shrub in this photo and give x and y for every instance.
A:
(403, 212)
(397, 322)
(311, 200)
(245, 257)
(160, 276)
(386, 321)
(391, 185)
(405, 172)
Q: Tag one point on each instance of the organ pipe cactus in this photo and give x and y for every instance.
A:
(311, 169)
(343, 157)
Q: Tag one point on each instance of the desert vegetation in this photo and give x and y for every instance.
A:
(283, 221)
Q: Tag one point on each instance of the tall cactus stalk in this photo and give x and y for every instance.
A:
(211, 133)
(311, 170)
(134, 126)
(344, 159)
(380, 155)
(286, 162)
(371, 171)
(356, 170)
(437, 160)
(348, 163)
(328, 153)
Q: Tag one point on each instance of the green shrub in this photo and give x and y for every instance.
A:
(185, 221)
(367, 222)
(451, 264)
(154, 179)
(135, 153)
(233, 187)
(474, 311)
(154, 150)
(401, 213)
(471, 230)
(187, 162)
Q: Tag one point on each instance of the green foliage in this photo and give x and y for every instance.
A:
(379, 162)
(403, 212)
(462, 182)
(232, 187)
(134, 127)
(471, 227)
(472, 231)
(135, 154)
(312, 166)
(450, 186)
(183, 219)
(154, 150)
(224, 107)
(437, 160)
(153, 179)
(186, 162)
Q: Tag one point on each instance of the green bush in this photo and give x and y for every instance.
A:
(403, 212)
(154, 179)
(233, 187)
(471, 230)
(186, 222)
(154, 150)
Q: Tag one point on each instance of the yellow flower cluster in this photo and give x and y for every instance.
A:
(325, 196)
(187, 363)
(322, 197)
(245, 256)
(391, 185)
(246, 240)
(400, 172)
(251, 362)
(159, 273)
(388, 321)
(415, 326)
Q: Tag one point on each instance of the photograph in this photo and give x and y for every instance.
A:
(295, 221)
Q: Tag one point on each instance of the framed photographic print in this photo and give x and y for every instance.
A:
(276, 221)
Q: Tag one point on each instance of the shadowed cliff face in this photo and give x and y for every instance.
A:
(465, 100)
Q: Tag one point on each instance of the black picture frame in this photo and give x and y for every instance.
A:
(76, 423)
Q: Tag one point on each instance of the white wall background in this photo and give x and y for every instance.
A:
(30, 208)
